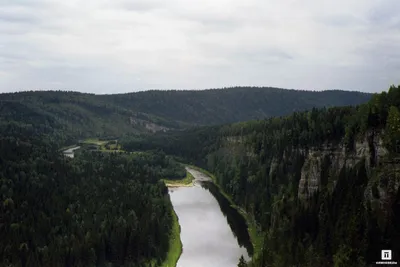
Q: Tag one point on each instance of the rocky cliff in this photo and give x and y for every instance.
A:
(323, 164)
(335, 157)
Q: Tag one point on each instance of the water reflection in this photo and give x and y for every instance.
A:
(212, 233)
(235, 220)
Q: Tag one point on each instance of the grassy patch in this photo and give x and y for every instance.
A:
(187, 181)
(103, 145)
(175, 244)
(252, 227)
(256, 236)
(94, 141)
(115, 146)
(111, 151)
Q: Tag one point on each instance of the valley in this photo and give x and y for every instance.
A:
(207, 238)
(150, 133)
(305, 188)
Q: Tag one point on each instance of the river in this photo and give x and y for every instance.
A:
(212, 232)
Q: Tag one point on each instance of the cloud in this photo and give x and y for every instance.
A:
(107, 46)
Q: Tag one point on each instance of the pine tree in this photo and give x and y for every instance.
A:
(242, 262)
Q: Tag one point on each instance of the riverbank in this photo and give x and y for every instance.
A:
(252, 227)
(175, 250)
(175, 243)
(185, 182)
(212, 232)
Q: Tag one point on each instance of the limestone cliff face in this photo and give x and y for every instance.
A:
(370, 148)
(322, 165)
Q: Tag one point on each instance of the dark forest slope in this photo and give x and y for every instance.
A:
(323, 185)
(218, 106)
(70, 114)
(96, 209)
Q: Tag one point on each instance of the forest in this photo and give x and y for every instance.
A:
(72, 115)
(98, 209)
(323, 185)
(228, 105)
(112, 209)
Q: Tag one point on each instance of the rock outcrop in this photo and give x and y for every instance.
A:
(370, 149)
(148, 125)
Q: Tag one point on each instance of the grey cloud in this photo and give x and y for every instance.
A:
(25, 3)
(340, 20)
(216, 24)
(385, 13)
(16, 18)
(263, 56)
(140, 5)
(120, 45)
(385, 57)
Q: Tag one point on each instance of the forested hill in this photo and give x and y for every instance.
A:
(67, 116)
(70, 114)
(323, 185)
(218, 106)
(96, 209)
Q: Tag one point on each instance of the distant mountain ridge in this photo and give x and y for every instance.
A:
(81, 114)
(218, 106)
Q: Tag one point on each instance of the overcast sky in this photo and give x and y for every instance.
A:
(111, 46)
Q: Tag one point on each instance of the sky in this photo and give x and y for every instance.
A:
(116, 46)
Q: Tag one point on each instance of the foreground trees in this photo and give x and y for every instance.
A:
(95, 210)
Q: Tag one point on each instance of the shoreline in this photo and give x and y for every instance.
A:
(176, 245)
(175, 242)
(252, 227)
(187, 181)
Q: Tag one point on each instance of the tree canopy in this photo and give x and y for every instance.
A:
(351, 215)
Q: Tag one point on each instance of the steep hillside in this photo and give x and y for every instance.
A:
(218, 106)
(69, 115)
(323, 185)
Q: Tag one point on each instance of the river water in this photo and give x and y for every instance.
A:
(212, 232)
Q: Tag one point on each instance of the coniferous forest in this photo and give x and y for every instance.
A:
(93, 210)
(321, 185)
(73, 115)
